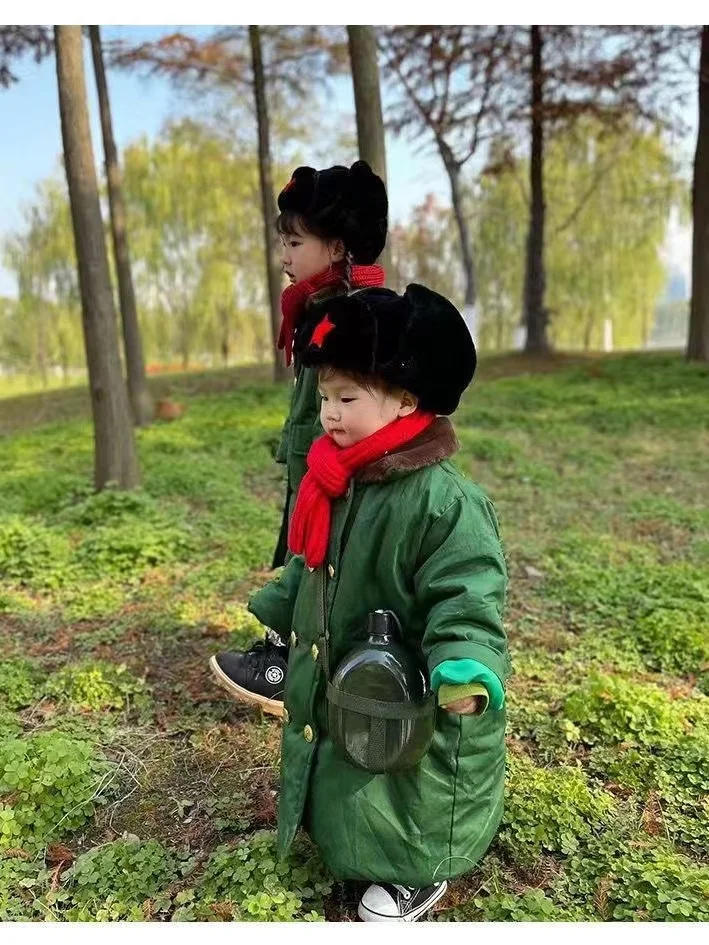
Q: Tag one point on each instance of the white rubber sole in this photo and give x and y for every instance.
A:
(366, 915)
(272, 706)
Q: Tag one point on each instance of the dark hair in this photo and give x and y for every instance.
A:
(292, 223)
(369, 382)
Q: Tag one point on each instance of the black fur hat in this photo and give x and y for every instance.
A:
(417, 341)
(341, 203)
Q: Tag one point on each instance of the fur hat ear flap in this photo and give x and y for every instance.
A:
(442, 352)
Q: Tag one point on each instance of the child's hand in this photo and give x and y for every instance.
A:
(468, 706)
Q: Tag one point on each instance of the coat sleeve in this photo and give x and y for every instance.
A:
(282, 450)
(460, 585)
(273, 604)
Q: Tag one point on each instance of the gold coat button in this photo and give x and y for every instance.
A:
(314, 652)
(293, 638)
(331, 571)
(308, 733)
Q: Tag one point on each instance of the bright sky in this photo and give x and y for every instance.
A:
(31, 136)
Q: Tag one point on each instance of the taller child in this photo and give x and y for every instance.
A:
(333, 227)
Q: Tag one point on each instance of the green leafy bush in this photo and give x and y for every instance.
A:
(530, 906)
(32, 554)
(552, 810)
(50, 785)
(96, 685)
(674, 640)
(612, 709)
(670, 889)
(21, 882)
(127, 550)
(631, 881)
(674, 777)
(9, 723)
(109, 506)
(15, 602)
(262, 887)
(19, 683)
(112, 882)
(663, 610)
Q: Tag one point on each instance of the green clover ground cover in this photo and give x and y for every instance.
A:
(130, 789)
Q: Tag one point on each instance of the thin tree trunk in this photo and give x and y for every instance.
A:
(698, 341)
(115, 458)
(225, 346)
(270, 214)
(368, 105)
(42, 347)
(140, 399)
(466, 244)
(587, 332)
(499, 320)
(536, 316)
(185, 341)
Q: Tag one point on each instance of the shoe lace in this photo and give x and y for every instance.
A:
(258, 654)
(406, 891)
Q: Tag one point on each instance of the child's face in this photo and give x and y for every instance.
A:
(349, 413)
(304, 255)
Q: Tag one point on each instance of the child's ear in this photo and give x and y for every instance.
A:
(337, 251)
(409, 403)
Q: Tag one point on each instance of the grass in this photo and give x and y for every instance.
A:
(111, 604)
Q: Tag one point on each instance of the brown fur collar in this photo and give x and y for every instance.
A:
(436, 443)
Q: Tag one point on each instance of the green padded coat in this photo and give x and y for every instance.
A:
(414, 536)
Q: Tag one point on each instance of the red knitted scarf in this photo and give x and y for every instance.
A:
(330, 469)
(294, 297)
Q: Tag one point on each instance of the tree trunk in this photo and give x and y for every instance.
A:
(536, 316)
(698, 341)
(368, 105)
(42, 349)
(185, 350)
(115, 458)
(140, 399)
(225, 346)
(270, 214)
(588, 332)
(466, 244)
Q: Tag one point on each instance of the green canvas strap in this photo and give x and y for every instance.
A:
(399, 711)
(324, 631)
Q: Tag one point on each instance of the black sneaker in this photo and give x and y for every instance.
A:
(389, 902)
(258, 675)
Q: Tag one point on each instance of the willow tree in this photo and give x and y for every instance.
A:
(197, 242)
(40, 255)
(261, 66)
(603, 255)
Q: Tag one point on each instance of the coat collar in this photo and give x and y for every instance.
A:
(436, 443)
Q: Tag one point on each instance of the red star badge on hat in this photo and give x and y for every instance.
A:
(321, 332)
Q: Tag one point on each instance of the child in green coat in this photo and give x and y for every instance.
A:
(332, 226)
(384, 521)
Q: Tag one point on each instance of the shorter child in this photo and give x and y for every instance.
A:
(383, 520)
